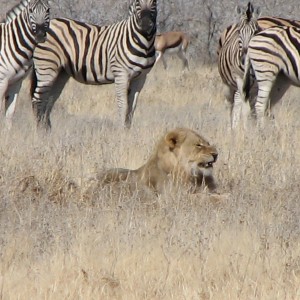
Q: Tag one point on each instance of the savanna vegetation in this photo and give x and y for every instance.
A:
(60, 241)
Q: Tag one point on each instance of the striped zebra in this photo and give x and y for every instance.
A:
(16, 11)
(122, 53)
(233, 47)
(229, 35)
(274, 57)
(26, 25)
(263, 23)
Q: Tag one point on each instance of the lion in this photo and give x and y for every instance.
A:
(181, 157)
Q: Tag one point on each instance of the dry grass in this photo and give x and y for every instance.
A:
(59, 242)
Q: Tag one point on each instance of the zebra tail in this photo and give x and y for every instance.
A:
(33, 80)
(247, 79)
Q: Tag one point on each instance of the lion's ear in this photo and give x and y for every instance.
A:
(174, 138)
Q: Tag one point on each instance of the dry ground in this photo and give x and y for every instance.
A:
(59, 242)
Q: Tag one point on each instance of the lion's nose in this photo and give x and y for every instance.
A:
(215, 156)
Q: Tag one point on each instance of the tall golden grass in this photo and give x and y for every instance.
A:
(58, 242)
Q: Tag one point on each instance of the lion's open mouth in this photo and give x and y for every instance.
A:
(206, 165)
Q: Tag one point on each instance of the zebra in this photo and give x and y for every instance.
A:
(263, 23)
(274, 57)
(122, 53)
(16, 10)
(26, 25)
(232, 48)
(231, 33)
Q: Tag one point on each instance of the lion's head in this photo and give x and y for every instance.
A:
(185, 154)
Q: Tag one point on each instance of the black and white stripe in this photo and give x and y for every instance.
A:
(26, 26)
(228, 44)
(233, 45)
(122, 53)
(263, 23)
(274, 57)
(16, 10)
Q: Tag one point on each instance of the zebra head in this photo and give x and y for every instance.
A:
(39, 18)
(247, 26)
(145, 12)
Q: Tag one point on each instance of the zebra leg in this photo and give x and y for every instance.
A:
(39, 107)
(55, 92)
(122, 86)
(135, 88)
(11, 101)
(263, 99)
(279, 88)
(39, 91)
(45, 91)
(236, 110)
(238, 104)
(240, 107)
(3, 91)
(228, 101)
(244, 106)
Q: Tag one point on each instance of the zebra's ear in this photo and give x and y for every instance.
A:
(238, 10)
(257, 12)
(50, 2)
(47, 2)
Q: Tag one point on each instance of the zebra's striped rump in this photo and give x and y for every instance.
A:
(273, 53)
(228, 71)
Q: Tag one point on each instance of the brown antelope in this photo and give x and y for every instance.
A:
(172, 42)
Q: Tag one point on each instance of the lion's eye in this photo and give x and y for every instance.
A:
(199, 145)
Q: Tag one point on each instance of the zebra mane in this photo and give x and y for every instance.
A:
(131, 8)
(16, 11)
